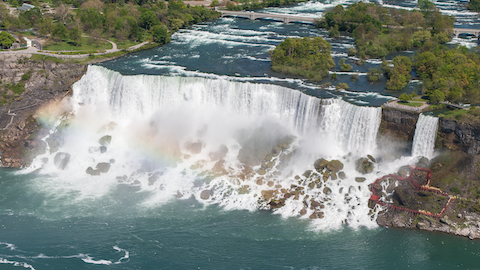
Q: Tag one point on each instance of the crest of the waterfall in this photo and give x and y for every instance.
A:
(425, 134)
(352, 128)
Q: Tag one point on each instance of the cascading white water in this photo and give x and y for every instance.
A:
(166, 134)
(425, 134)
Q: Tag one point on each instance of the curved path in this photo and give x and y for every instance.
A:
(33, 50)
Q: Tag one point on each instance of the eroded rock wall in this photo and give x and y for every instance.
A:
(20, 129)
(398, 123)
(454, 135)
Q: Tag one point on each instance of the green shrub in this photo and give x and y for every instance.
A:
(455, 190)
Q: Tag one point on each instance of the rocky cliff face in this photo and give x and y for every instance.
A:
(398, 123)
(454, 135)
(27, 85)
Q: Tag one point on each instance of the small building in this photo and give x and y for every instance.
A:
(25, 7)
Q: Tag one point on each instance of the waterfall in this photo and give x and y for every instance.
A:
(425, 134)
(220, 141)
(352, 127)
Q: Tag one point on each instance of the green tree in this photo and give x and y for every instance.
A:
(46, 27)
(76, 36)
(404, 97)
(374, 74)
(160, 34)
(6, 40)
(60, 32)
(436, 96)
(474, 5)
(148, 19)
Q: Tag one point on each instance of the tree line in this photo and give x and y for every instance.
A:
(134, 20)
(379, 31)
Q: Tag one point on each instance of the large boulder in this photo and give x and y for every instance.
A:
(423, 162)
(92, 171)
(61, 160)
(205, 194)
(320, 164)
(335, 166)
(364, 166)
(220, 154)
(105, 140)
(104, 167)
(194, 147)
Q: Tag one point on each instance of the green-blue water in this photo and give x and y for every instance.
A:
(182, 234)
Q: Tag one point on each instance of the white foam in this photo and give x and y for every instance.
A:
(155, 113)
(14, 263)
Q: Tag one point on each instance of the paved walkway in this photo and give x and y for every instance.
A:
(395, 104)
(33, 50)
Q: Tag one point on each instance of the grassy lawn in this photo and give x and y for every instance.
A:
(411, 104)
(457, 114)
(69, 46)
(124, 44)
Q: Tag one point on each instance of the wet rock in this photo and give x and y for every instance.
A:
(341, 175)
(320, 164)
(194, 147)
(364, 166)
(403, 171)
(262, 172)
(333, 175)
(307, 173)
(105, 140)
(316, 215)
(103, 149)
(152, 179)
(277, 203)
(270, 183)
(267, 194)
(91, 171)
(205, 194)
(360, 179)
(259, 182)
(335, 166)
(270, 164)
(327, 191)
(179, 194)
(219, 167)
(303, 212)
(422, 162)
(220, 154)
(104, 167)
(61, 160)
(311, 185)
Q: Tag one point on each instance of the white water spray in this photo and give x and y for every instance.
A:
(230, 143)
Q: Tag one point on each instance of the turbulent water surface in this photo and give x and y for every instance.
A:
(194, 141)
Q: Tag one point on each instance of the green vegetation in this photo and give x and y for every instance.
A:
(133, 21)
(344, 66)
(84, 45)
(307, 57)
(474, 5)
(403, 29)
(6, 40)
(374, 74)
(399, 75)
(451, 75)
